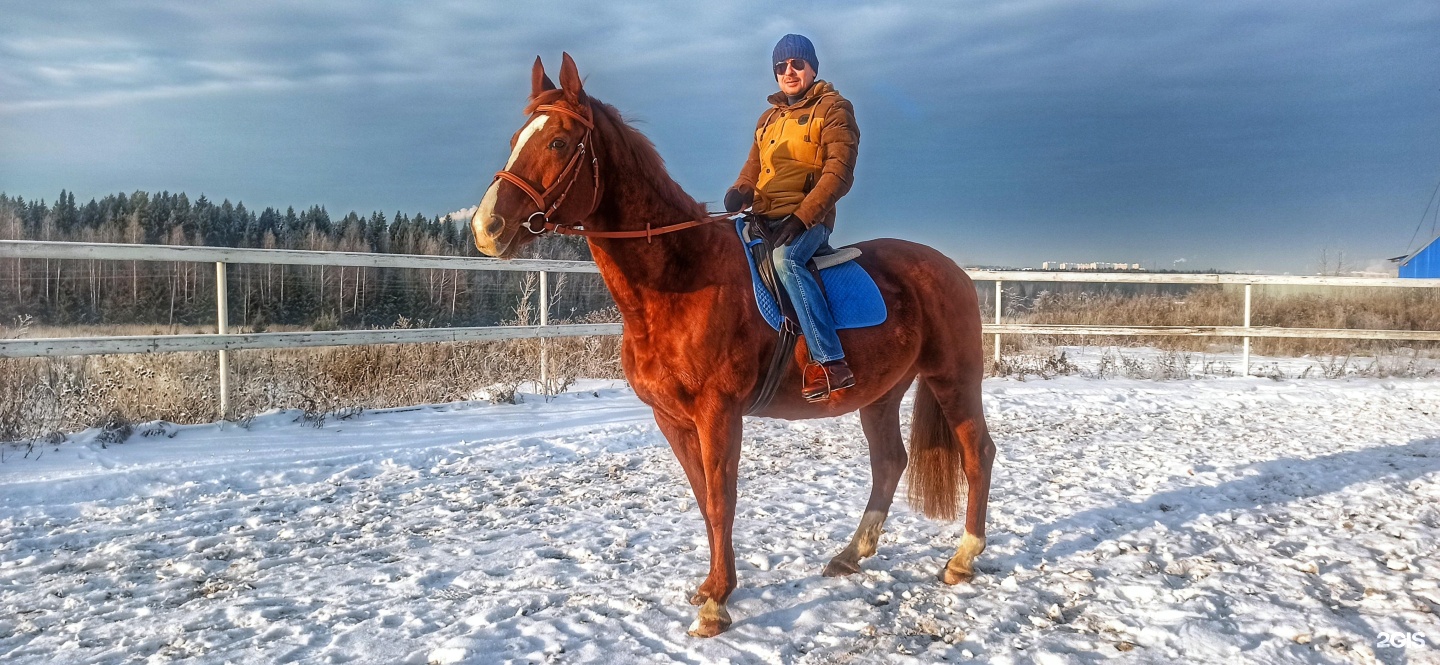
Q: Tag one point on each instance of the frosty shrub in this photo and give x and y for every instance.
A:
(41, 396)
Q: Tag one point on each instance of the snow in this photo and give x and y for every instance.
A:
(1196, 520)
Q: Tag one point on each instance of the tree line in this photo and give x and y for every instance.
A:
(73, 292)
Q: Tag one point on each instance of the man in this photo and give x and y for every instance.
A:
(801, 163)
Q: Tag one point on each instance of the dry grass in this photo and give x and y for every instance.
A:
(1366, 308)
(42, 396)
(1050, 362)
(1291, 307)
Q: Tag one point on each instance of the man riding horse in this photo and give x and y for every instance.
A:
(801, 163)
(576, 167)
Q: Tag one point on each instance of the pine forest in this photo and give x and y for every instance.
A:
(85, 292)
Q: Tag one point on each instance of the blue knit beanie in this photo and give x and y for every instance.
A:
(795, 46)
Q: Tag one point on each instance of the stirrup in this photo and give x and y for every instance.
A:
(821, 396)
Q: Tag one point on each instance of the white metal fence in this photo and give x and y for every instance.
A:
(1244, 331)
(223, 341)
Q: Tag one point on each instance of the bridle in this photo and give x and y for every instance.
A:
(568, 176)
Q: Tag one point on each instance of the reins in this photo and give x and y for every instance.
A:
(568, 176)
(649, 232)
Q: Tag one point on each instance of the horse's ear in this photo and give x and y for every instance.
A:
(539, 81)
(570, 79)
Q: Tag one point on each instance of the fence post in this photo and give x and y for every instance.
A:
(222, 325)
(999, 307)
(544, 321)
(1245, 354)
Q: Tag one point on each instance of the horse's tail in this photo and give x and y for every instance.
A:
(933, 480)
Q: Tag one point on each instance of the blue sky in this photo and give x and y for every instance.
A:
(1238, 135)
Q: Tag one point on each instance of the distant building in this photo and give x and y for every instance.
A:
(1424, 263)
(1093, 266)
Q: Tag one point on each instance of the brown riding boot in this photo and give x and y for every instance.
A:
(822, 380)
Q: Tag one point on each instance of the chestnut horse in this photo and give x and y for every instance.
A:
(695, 346)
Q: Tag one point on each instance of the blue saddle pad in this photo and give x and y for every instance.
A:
(855, 301)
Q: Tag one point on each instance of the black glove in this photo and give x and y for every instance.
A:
(738, 199)
(786, 230)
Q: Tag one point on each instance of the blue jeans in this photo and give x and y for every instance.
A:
(815, 320)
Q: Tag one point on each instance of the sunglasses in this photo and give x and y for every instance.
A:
(792, 63)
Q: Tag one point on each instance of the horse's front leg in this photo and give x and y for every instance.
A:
(685, 443)
(719, 435)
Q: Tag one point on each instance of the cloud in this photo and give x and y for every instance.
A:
(172, 47)
(1156, 128)
(1011, 50)
(463, 215)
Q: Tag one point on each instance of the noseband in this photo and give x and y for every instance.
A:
(567, 177)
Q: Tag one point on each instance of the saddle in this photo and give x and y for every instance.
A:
(761, 249)
(760, 252)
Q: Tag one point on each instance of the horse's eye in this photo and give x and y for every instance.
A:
(557, 144)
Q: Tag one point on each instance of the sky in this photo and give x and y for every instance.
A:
(1237, 135)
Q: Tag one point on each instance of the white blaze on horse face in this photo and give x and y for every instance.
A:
(483, 241)
(535, 125)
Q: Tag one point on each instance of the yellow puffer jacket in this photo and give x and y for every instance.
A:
(803, 158)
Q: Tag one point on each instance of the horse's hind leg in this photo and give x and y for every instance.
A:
(881, 423)
(960, 401)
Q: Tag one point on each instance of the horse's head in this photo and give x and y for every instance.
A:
(551, 175)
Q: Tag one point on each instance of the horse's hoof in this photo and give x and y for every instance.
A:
(713, 620)
(841, 567)
(702, 628)
(698, 598)
(953, 576)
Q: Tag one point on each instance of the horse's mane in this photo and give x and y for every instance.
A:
(628, 154)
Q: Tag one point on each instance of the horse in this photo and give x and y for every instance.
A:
(695, 346)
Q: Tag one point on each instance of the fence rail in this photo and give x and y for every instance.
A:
(222, 342)
(41, 249)
(92, 346)
(1194, 278)
(1211, 331)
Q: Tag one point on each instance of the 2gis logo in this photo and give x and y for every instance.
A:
(1400, 640)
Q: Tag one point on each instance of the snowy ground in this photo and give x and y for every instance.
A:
(1208, 520)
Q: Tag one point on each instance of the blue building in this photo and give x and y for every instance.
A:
(1424, 263)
